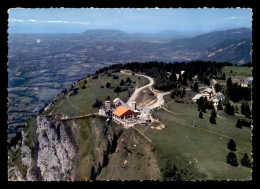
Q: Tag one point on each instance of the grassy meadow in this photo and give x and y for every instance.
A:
(95, 89)
(202, 149)
(238, 73)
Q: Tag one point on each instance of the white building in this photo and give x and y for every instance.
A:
(217, 97)
(196, 97)
(246, 82)
(207, 92)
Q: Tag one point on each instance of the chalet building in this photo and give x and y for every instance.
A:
(120, 112)
(124, 115)
(207, 92)
(217, 97)
(196, 97)
(247, 82)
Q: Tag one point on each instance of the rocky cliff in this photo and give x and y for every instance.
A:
(85, 149)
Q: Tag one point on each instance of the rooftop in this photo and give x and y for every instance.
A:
(209, 90)
(197, 96)
(121, 111)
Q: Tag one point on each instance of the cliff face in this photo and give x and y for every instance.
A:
(105, 143)
(121, 154)
(64, 151)
(55, 155)
(27, 158)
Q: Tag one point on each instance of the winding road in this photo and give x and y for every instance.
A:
(159, 95)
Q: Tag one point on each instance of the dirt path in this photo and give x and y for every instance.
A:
(142, 134)
(174, 112)
(56, 107)
(75, 107)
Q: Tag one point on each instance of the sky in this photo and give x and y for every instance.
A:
(132, 20)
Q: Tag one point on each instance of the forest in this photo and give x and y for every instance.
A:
(164, 74)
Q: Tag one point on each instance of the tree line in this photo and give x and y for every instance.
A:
(235, 92)
(164, 74)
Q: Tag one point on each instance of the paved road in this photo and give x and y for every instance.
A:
(134, 95)
(159, 95)
(160, 100)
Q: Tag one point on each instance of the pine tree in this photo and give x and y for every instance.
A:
(245, 161)
(217, 87)
(117, 89)
(239, 124)
(223, 76)
(182, 93)
(96, 104)
(231, 145)
(180, 78)
(214, 113)
(229, 82)
(243, 108)
(203, 107)
(229, 109)
(173, 94)
(195, 87)
(247, 111)
(232, 159)
(128, 80)
(122, 82)
(212, 119)
(219, 106)
(108, 85)
(201, 115)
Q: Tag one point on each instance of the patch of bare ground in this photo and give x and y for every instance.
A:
(145, 98)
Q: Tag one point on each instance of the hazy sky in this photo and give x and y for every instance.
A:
(60, 20)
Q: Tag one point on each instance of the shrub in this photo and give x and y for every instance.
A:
(95, 77)
(115, 77)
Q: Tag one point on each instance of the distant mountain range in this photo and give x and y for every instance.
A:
(117, 34)
(233, 45)
(166, 46)
(231, 50)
